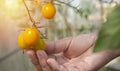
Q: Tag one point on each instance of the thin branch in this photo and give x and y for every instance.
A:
(68, 4)
(102, 10)
(70, 1)
(31, 19)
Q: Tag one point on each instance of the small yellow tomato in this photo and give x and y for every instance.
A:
(31, 36)
(48, 10)
(21, 42)
(40, 45)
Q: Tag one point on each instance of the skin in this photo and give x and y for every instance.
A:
(71, 54)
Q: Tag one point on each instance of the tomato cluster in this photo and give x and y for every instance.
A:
(30, 39)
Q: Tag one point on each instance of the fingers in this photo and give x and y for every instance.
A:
(34, 59)
(56, 67)
(42, 57)
(53, 64)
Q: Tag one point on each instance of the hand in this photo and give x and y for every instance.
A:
(71, 54)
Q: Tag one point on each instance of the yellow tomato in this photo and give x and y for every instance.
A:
(37, 32)
(40, 45)
(31, 36)
(21, 41)
(48, 10)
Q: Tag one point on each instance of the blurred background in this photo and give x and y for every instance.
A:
(73, 17)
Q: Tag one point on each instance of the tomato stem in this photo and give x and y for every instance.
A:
(30, 17)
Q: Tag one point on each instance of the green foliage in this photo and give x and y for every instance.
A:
(107, 69)
(109, 35)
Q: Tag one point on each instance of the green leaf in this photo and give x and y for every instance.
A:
(109, 35)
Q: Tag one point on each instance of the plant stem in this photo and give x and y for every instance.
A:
(77, 10)
(31, 19)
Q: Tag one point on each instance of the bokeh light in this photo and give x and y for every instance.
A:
(12, 8)
(12, 4)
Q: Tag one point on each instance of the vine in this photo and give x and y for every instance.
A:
(30, 17)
